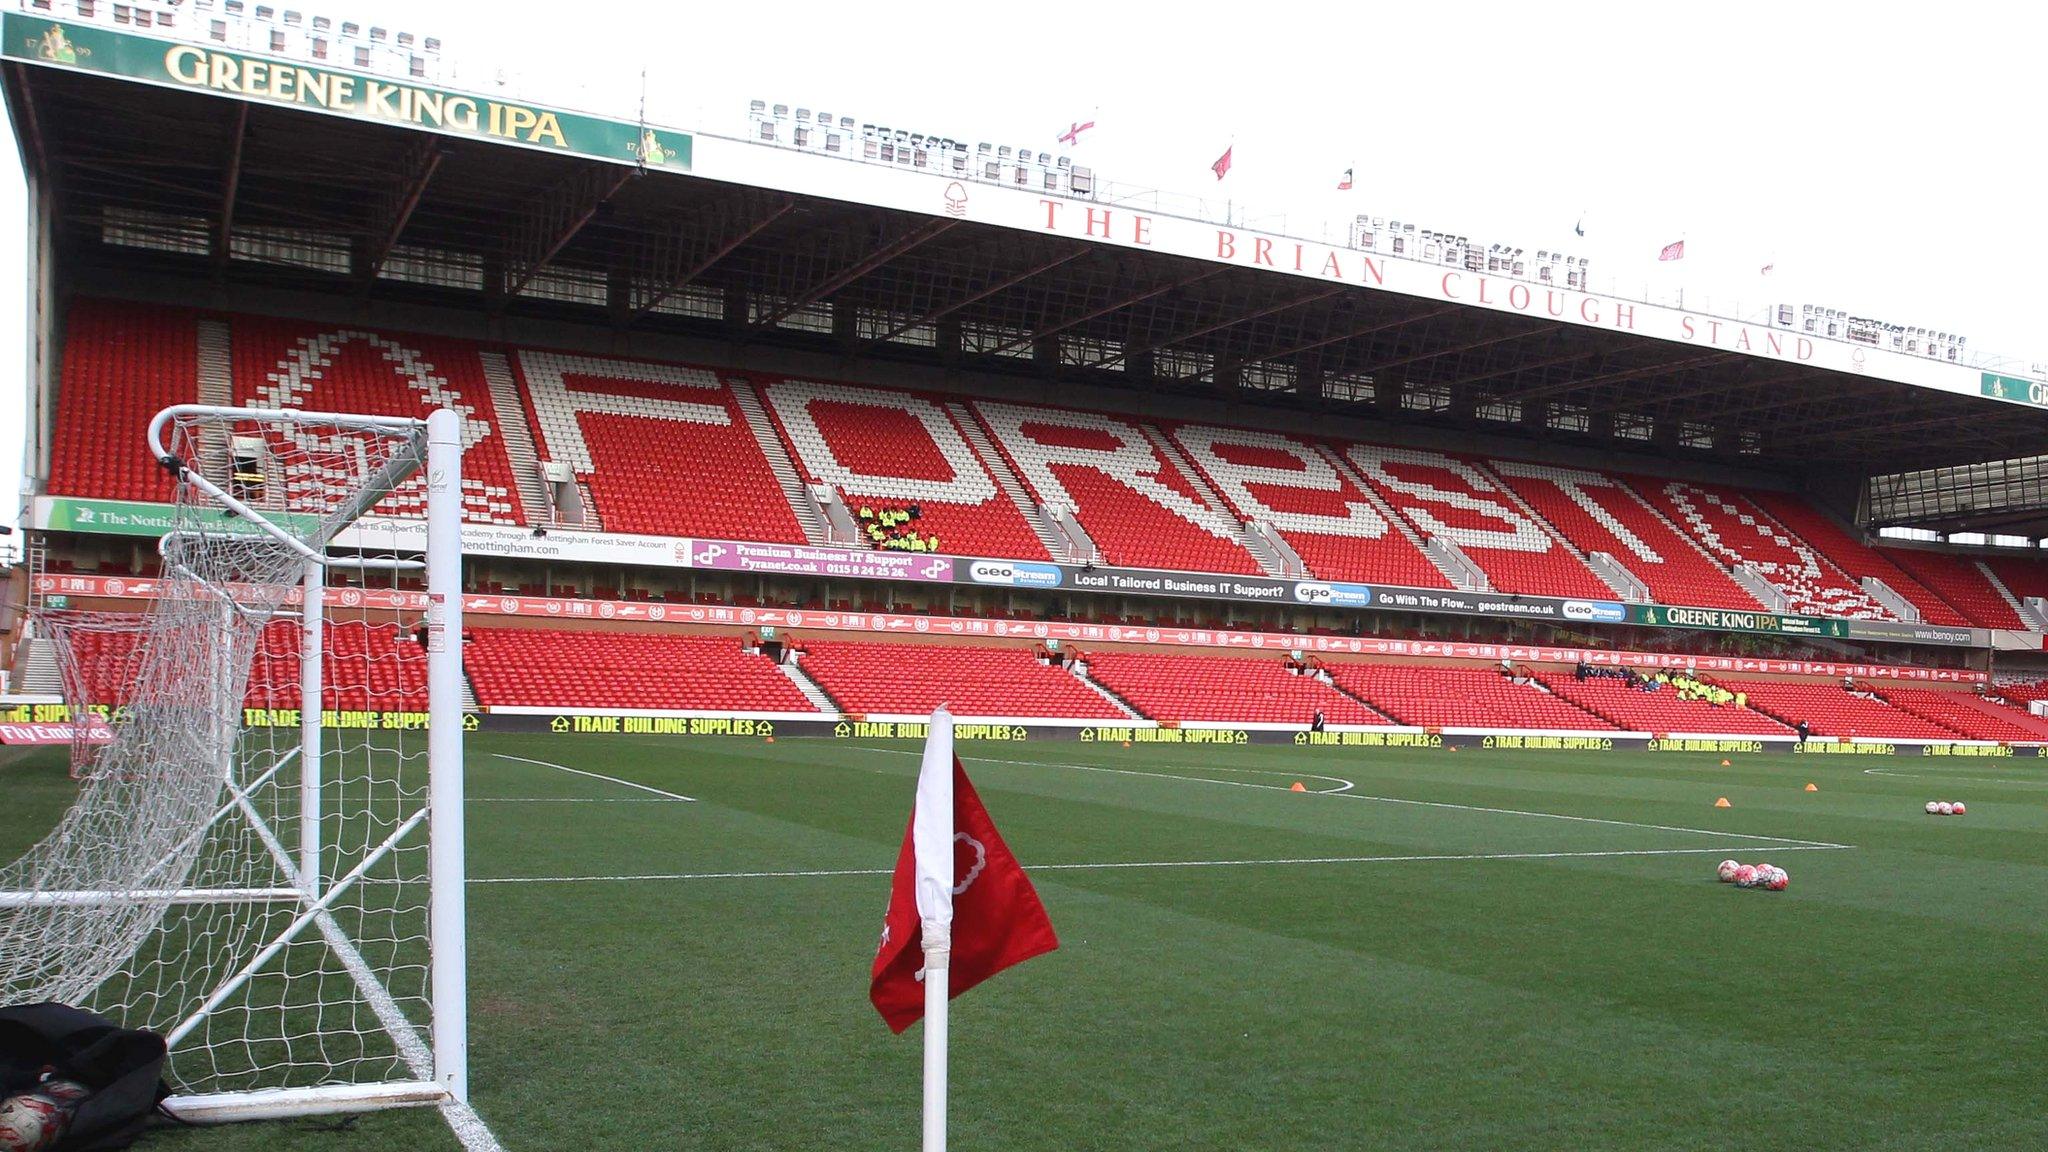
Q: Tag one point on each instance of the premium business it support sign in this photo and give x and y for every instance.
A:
(294, 84)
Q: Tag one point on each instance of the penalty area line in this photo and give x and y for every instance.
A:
(596, 776)
(1116, 865)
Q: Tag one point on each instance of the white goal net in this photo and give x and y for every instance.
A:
(264, 864)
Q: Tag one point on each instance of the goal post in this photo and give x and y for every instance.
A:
(265, 863)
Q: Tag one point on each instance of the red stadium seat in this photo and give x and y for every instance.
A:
(1963, 582)
(886, 449)
(973, 681)
(1440, 696)
(520, 667)
(664, 448)
(1240, 690)
(1140, 510)
(1445, 496)
(1736, 531)
(1291, 486)
(1854, 557)
(292, 364)
(1599, 513)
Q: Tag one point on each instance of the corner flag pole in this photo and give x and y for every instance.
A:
(932, 834)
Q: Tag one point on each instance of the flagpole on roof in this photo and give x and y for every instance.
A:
(932, 834)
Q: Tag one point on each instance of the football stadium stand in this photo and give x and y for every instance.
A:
(1737, 532)
(665, 449)
(1831, 710)
(669, 449)
(1852, 556)
(882, 448)
(123, 363)
(1968, 713)
(1451, 697)
(1295, 489)
(1625, 704)
(971, 680)
(1246, 690)
(292, 364)
(1600, 513)
(2024, 577)
(1963, 582)
(1448, 498)
(519, 667)
(367, 667)
(1139, 509)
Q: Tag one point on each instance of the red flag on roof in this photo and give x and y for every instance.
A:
(953, 855)
(1673, 251)
(1222, 164)
(1344, 184)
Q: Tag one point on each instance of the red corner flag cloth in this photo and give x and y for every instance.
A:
(997, 919)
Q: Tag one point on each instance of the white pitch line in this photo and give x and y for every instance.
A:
(569, 800)
(1112, 865)
(597, 776)
(1944, 776)
(1393, 800)
(469, 1127)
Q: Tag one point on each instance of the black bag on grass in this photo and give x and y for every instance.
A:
(122, 1069)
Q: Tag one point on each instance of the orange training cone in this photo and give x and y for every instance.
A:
(1723, 803)
(1811, 787)
(1127, 743)
(1296, 787)
(771, 739)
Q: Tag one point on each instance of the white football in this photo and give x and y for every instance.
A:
(1947, 809)
(1726, 871)
(1934, 807)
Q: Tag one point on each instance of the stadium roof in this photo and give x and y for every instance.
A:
(160, 177)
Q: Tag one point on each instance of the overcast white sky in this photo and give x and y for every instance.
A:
(1887, 162)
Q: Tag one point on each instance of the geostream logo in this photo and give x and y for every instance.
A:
(1602, 610)
(1014, 572)
(1344, 595)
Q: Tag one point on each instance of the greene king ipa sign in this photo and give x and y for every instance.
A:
(90, 48)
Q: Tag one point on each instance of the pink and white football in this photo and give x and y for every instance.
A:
(1947, 809)
(1726, 871)
(1780, 880)
(1956, 808)
(1745, 875)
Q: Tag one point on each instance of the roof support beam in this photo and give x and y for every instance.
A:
(1138, 297)
(741, 233)
(1326, 341)
(1496, 373)
(1624, 374)
(1382, 366)
(425, 158)
(561, 214)
(31, 120)
(1231, 322)
(917, 235)
(230, 183)
(983, 293)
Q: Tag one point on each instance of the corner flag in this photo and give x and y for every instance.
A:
(961, 910)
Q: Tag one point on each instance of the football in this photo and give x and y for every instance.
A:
(1946, 808)
(1780, 880)
(1745, 875)
(1726, 871)
(1956, 809)
(1934, 807)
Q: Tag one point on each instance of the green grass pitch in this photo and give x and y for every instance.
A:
(1242, 966)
